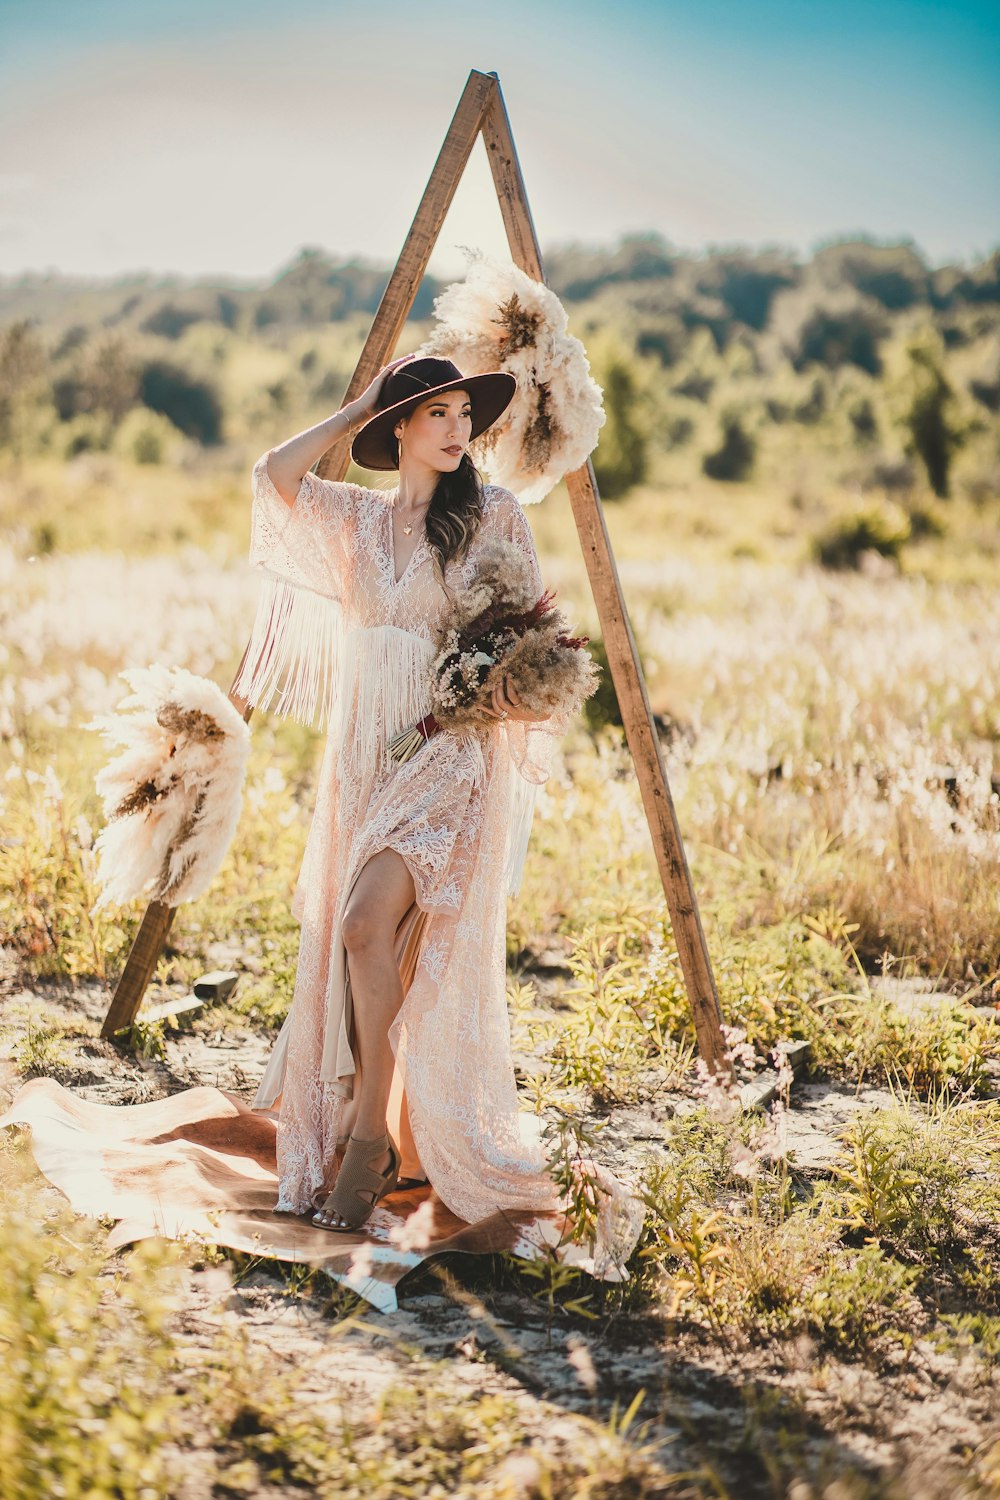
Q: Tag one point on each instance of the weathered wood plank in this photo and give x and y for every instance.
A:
(404, 283)
(138, 971)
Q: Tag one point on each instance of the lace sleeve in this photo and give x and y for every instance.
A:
(532, 745)
(308, 542)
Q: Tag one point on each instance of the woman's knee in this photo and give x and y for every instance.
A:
(362, 927)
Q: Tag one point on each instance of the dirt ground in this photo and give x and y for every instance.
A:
(779, 1419)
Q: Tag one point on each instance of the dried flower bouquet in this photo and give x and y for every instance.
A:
(499, 628)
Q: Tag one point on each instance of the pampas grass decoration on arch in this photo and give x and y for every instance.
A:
(173, 793)
(499, 318)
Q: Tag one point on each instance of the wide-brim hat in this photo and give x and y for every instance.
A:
(374, 445)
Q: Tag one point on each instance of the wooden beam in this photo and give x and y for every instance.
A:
(643, 742)
(619, 641)
(142, 960)
(404, 283)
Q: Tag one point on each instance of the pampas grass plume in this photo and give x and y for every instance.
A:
(499, 318)
(173, 793)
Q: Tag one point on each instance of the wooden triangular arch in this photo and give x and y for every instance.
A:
(481, 109)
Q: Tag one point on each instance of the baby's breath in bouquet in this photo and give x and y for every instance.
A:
(498, 628)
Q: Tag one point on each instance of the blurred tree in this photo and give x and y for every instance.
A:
(861, 416)
(896, 276)
(169, 321)
(576, 272)
(621, 458)
(985, 387)
(72, 339)
(228, 309)
(602, 706)
(811, 407)
(111, 378)
(661, 335)
(733, 458)
(877, 526)
(22, 371)
(951, 285)
(700, 368)
(926, 404)
(835, 327)
(191, 405)
(747, 282)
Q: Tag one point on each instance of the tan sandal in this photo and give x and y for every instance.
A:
(359, 1186)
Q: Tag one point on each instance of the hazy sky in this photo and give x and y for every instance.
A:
(216, 137)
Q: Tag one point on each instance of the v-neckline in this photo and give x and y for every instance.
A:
(391, 548)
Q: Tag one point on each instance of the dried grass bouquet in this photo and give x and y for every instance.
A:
(172, 794)
(499, 628)
(499, 318)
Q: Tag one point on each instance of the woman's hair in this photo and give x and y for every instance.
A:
(455, 511)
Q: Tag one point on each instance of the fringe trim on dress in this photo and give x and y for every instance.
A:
(292, 665)
(386, 680)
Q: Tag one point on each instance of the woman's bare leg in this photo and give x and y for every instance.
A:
(382, 894)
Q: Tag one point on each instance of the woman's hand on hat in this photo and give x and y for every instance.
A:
(367, 402)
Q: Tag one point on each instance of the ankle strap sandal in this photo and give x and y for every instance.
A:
(359, 1186)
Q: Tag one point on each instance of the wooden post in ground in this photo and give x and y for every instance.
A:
(481, 109)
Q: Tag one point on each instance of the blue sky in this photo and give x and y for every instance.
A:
(216, 137)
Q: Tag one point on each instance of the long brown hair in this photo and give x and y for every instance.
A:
(455, 511)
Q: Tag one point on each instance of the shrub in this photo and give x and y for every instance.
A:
(146, 437)
(86, 433)
(928, 410)
(882, 527)
(191, 405)
(602, 706)
(861, 1297)
(864, 423)
(85, 1398)
(733, 459)
(621, 457)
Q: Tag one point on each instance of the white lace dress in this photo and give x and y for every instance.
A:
(458, 813)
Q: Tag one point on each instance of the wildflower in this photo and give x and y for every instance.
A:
(742, 1161)
(359, 1267)
(417, 1230)
(579, 1358)
(741, 1054)
(721, 1095)
(779, 1057)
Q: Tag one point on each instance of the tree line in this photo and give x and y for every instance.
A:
(707, 353)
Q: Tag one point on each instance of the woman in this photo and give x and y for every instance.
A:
(395, 1056)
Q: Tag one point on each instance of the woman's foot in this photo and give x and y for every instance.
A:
(369, 1171)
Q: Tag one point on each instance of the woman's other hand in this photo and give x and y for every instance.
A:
(507, 704)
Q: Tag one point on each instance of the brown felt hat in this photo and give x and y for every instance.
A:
(374, 445)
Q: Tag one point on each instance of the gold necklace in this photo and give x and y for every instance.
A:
(407, 525)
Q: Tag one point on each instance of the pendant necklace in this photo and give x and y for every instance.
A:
(407, 525)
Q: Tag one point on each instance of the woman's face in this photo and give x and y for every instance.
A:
(437, 432)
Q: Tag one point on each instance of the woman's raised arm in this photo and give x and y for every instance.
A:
(289, 461)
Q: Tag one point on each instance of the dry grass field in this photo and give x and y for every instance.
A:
(814, 1307)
